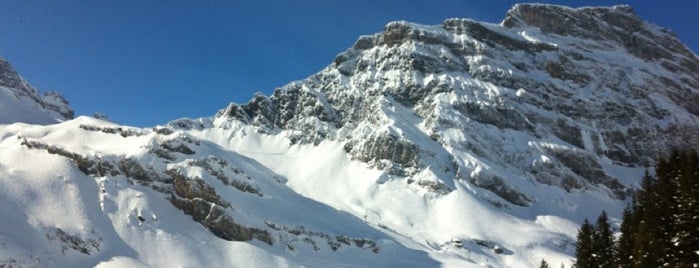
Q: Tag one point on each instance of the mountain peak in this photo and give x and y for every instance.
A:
(584, 84)
(619, 25)
(561, 19)
(616, 23)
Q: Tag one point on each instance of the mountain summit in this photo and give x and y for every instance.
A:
(461, 144)
(540, 102)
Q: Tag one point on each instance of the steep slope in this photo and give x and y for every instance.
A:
(20, 102)
(461, 144)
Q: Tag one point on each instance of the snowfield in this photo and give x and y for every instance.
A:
(55, 215)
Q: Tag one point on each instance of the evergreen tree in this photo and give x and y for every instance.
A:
(603, 243)
(645, 250)
(623, 249)
(544, 264)
(664, 206)
(659, 227)
(685, 172)
(585, 253)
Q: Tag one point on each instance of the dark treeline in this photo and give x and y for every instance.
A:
(660, 226)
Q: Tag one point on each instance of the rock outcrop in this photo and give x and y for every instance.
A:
(19, 95)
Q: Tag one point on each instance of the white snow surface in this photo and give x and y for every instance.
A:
(124, 223)
(333, 194)
(23, 109)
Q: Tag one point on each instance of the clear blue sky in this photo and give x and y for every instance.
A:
(148, 62)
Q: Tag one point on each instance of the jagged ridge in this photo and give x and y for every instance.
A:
(18, 94)
(552, 74)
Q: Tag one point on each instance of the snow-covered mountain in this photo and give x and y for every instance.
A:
(461, 144)
(20, 102)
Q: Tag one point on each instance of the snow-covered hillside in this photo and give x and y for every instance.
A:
(86, 191)
(465, 144)
(20, 102)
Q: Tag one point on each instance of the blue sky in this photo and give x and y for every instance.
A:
(148, 62)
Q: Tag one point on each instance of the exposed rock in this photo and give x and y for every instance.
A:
(214, 218)
(497, 249)
(9, 77)
(124, 132)
(67, 241)
(492, 38)
(585, 166)
(176, 146)
(50, 101)
(386, 147)
(500, 116)
(195, 189)
(208, 164)
(163, 130)
(498, 186)
(618, 24)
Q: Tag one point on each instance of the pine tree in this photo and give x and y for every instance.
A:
(685, 172)
(585, 253)
(659, 227)
(666, 203)
(623, 249)
(544, 264)
(603, 243)
(646, 238)
(664, 221)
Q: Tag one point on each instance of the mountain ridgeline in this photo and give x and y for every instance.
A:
(550, 95)
(418, 146)
(22, 102)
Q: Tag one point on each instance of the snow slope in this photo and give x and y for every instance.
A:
(464, 144)
(55, 214)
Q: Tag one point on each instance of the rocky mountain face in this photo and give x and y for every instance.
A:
(550, 95)
(420, 145)
(24, 103)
